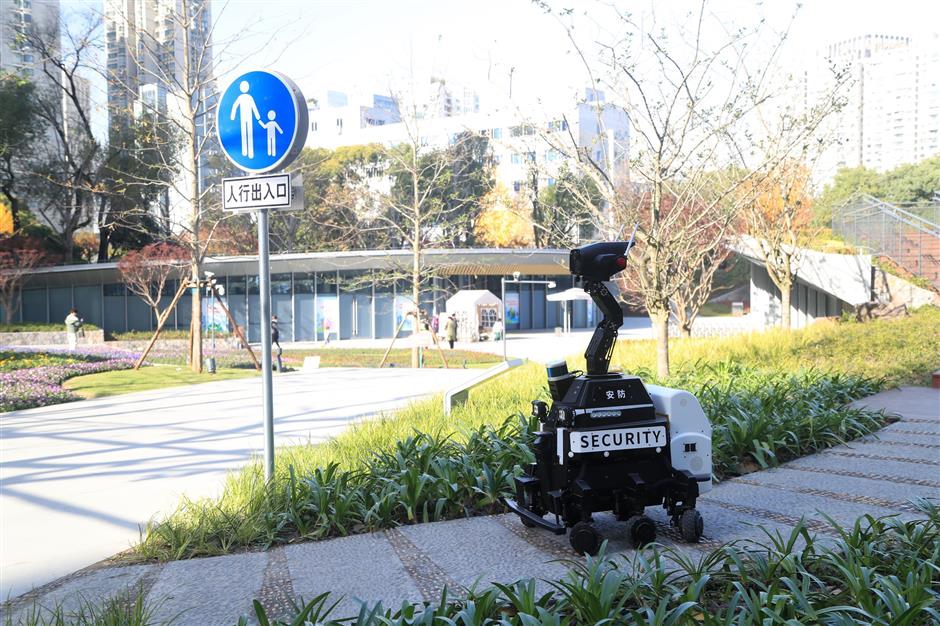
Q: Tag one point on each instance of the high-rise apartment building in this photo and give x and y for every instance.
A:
(17, 17)
(146, 48)
(892, 112)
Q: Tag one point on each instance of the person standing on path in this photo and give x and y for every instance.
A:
(451, 330)
(276, 340)
(72, 325)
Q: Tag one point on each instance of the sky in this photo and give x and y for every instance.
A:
(367, 44)
(495, 47)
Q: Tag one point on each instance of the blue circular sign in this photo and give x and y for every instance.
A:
(262, 121)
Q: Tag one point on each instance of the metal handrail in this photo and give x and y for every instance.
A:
(888, 230)
(911, 219)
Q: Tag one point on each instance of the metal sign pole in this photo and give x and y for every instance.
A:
(264, 276)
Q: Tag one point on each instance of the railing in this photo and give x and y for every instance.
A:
(908, 235)
(460, 394)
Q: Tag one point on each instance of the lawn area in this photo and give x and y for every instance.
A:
(117, 382)
(770, 397)
(903, 351)
(399, 357)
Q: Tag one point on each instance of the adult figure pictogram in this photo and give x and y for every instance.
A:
(245, 107)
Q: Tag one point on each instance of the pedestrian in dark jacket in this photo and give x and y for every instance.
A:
(276, 340)
(451, 330)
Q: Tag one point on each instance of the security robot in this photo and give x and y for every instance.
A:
(609, 442)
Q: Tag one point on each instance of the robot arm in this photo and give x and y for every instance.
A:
(595, 264)
(601, 347)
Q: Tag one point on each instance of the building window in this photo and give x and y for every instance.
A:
(530, 157)
(497, 133)
(516, 158)
(550, 182)
(339, 123)
(517, 186)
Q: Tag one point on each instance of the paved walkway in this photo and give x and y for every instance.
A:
(877, 475)
(78, 479)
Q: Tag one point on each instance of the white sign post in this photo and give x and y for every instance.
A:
(262, 126)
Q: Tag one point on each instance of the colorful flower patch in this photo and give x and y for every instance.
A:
(34, 379)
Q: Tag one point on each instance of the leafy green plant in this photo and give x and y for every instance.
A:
(770, 398)
(877, 571)
(127, 608)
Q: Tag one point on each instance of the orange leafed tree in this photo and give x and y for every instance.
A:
(502, 222)
(778, 220)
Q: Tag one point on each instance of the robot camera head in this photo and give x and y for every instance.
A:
(599, 261)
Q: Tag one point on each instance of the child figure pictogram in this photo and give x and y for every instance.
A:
(272, 127)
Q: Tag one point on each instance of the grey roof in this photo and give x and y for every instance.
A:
(452, 261)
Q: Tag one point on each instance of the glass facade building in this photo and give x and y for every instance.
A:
(355, 295)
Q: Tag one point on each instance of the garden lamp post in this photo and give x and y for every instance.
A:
(515, 280)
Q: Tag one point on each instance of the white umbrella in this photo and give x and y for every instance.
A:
(564, 297)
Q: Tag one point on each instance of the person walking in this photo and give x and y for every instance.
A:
(451, 330)
(327, 329)
(72, 325)
(497, 329)
(276, 340)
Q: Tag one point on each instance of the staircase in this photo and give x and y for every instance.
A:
(884, 229)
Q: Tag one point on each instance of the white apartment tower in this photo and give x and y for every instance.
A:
(145, 44)
(17, 17)
(892, 112)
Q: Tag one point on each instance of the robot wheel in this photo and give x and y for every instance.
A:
(691, 525)
(584, 538)
(641, 530)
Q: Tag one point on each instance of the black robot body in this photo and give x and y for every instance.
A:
(604, 446)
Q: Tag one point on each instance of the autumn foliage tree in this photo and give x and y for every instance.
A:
(147, 271)
(18, 257)
(501, 222)
(778, 220)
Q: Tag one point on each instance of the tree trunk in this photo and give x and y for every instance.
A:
(197, 322)
(785, 291)
(661, 328)
(104, 243)
(415, 253)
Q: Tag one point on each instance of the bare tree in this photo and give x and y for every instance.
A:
(147, 271)
(425, 206)
(779, 218)
(690, 97)
(66, 173)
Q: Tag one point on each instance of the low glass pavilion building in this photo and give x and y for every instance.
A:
(348, 295)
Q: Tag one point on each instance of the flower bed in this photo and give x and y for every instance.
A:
(34, 379)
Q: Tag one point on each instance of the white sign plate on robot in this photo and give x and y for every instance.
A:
(609, 440)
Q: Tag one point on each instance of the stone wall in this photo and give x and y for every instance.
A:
(893, 290)
(47, 338)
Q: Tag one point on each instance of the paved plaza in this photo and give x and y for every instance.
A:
(878, 475)
(79, 479)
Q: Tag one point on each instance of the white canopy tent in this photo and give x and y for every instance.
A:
(476, 310)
